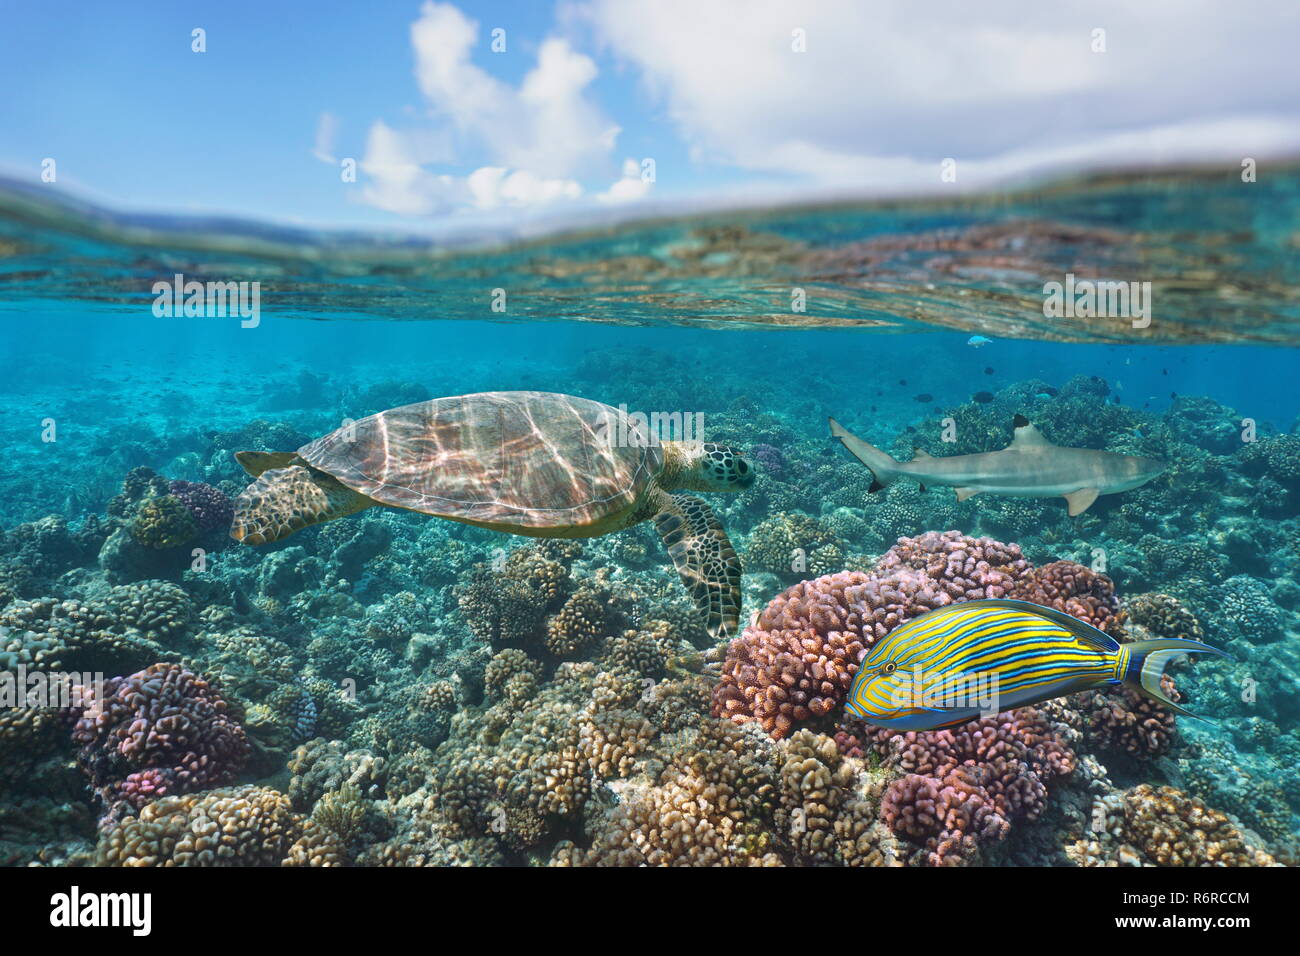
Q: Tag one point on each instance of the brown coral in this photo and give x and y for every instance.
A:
(1072, 588)
(240, 826)
(1169, 828)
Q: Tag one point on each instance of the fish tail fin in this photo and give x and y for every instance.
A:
(1147, 661)
(883, 468)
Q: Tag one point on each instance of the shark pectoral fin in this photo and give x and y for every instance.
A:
(964, 493)
(920, 453)
(1081, 500)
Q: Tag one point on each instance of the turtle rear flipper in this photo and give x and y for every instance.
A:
(284, 500)
(705, 559)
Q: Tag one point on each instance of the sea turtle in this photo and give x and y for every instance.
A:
(529, 463)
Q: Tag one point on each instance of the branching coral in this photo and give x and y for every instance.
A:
(791, 544)
(157, 609)
(1124, 721)
(797, 660)
(163, 522)
(964, 787)
(1161, 615)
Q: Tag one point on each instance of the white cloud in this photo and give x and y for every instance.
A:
(494, 186)
(443, 39)
(535, 138)
(885, 91)
(397, 181)
(563, 132)
(629, 188)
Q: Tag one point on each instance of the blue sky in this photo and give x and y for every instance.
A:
(447, 132)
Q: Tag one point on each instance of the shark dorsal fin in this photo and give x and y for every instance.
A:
(919, 454)
(1027, 436)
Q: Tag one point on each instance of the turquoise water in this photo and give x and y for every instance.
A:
(410, 690)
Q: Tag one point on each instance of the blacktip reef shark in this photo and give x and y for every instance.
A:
(1030, 467)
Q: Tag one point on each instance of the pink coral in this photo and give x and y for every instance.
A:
(965, 568)
(798, 658)
(962, 787)
(953, 816)
(771, 458)
(158, 732)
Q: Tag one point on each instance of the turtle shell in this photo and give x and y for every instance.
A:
(518, 459)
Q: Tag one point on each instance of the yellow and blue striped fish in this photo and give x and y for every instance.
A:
(979, 658)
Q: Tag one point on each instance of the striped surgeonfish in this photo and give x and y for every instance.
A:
(983, 657)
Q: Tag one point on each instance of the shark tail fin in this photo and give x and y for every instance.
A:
(1147, 661)
(883, 468)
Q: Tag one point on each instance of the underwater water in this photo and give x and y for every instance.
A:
(392, 688)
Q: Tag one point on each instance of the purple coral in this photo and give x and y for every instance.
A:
(771, 458)
(963, 787)
(158, 732)
(210, 507)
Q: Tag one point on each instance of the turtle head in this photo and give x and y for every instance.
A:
(709, 466)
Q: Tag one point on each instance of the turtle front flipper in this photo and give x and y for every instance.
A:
(284, 500)
(705, 559)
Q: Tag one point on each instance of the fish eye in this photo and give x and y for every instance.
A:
(889, 668)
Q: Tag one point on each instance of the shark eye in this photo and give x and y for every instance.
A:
(889, 668)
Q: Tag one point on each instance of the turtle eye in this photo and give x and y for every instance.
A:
(889, 668)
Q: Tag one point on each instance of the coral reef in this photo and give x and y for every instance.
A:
(164, 522)
(1072, 588)
(794, 545)
(393, 690)
(211, 508)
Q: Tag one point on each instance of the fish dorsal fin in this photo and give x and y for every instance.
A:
(920, 454)
(1081, 500)
(1027, 436)
(1080, 629)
